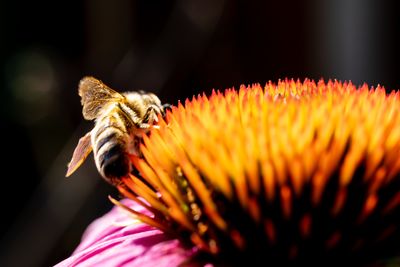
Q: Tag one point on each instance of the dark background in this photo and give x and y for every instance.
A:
(173, 48)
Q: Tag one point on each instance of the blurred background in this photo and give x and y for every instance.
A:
(173, 48)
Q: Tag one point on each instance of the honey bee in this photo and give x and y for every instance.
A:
(121, 119)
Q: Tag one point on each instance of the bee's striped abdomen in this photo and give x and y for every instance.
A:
(110, 141)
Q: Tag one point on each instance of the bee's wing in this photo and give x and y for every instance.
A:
(81, 152)
(95, 95)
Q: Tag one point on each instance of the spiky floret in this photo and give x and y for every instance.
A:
(296, 171)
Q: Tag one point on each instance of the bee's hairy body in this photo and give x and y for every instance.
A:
(120, 122)
(110, 139)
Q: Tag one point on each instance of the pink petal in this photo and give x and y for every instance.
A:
(116, 239)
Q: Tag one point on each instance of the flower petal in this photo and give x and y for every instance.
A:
(117, 240)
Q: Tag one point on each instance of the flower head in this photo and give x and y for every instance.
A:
(290, 172)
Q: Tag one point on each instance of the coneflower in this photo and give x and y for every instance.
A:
(293, 172)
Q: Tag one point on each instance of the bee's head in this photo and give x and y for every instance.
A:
(147, 105)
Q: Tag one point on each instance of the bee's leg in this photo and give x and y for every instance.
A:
(144, 126)
(165, 108)
(147, 126)
(149, 116)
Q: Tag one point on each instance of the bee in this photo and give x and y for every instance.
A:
(121, 120)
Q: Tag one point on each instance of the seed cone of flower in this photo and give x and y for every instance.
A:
(293, 172)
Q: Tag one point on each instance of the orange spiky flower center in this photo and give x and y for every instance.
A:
(292, 171)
